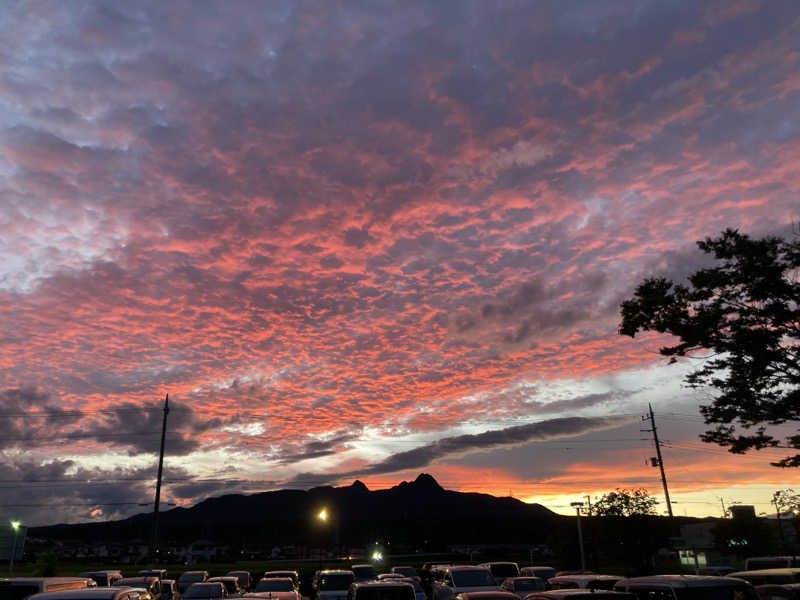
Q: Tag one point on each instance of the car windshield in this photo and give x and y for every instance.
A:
(204, 591)
(717, 593)
(187, 577)
(275, 585)
(338, 581)
(523, 585)
(473, 578)
(385, 593)
(364, 572)
(601, 584)
(504, 570)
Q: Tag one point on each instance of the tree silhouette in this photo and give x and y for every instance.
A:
(746, 311)
(625, 503)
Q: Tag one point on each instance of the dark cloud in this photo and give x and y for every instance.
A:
(463, 444)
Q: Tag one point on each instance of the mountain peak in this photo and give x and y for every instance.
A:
(358, 486)
(426, 481)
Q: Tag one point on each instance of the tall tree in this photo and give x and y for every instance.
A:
(746, 311)
(625, 503)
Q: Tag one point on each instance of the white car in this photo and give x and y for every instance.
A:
(689, 587)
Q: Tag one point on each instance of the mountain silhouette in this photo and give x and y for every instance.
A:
(415, 514)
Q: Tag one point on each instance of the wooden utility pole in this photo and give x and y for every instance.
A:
(651, 417)
(154, 541)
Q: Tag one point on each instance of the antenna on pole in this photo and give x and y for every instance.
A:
(154, 541)
(658, 460)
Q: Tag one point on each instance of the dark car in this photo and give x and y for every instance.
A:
(230, 582)
(364, 572)
(205, 591)
(381, 590)
(188, 578)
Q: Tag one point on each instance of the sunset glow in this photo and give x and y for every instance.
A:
(360, 242)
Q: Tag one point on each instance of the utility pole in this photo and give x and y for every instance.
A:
(154, 542)
(659, 460)
(577, 506)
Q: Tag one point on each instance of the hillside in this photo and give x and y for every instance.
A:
(419, 514)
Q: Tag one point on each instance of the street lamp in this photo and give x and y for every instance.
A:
(577, 506)
(15, 526)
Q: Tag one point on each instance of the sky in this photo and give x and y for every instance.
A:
(372, 239)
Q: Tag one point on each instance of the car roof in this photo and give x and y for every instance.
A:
(25, 580)
(336, 572)
(488, 594)
(778, 571)
(681, 581)
(467, 568)
(382, 584)
(95, 592)
(574, 592)
(497, 562)
(585, 577)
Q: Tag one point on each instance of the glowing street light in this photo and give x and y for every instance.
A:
(15, 525)
(323, 515)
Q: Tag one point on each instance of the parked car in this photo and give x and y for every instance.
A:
(389, 576)
(293, 575)
(542, 571)
(244, 577)
(522, 586)
(381, 590)
(687, 587)
(500, 595)
(17, 588)
(103, 578)
(790, 591)
(363, 572)
(160, 573)
(458, 579)
(151, 584)
(334, 585)
(188, 578)
(230, 583)
(586, 581)
(582, 594)
(272, 595)
(169, 590)
(205, 591)
(766, 576)
(276, 584)
(405, 571)
(502, 570)
(93, 593)
(419, 593)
